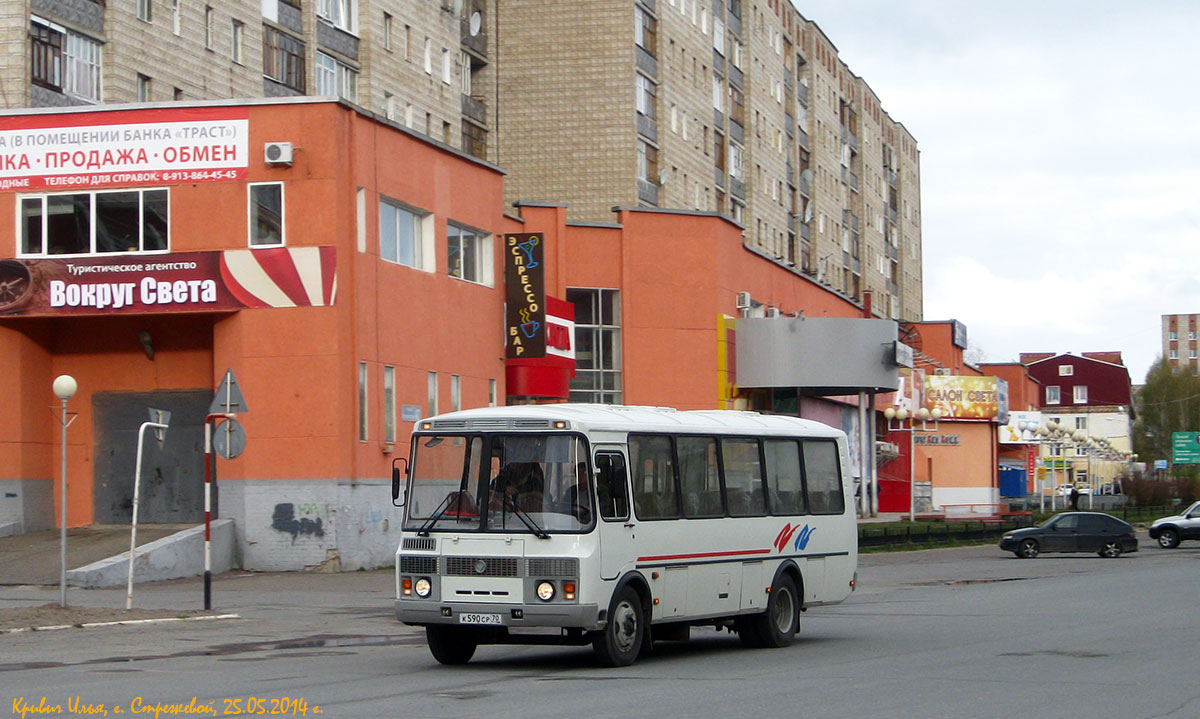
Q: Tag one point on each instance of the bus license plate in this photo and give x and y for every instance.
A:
(478, 618)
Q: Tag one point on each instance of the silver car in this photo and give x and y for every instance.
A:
(1170, 531)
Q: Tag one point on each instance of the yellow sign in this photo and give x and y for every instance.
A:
(961, 397)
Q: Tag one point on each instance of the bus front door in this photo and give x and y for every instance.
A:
(618, 530)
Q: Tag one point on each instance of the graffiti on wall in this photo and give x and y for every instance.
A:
(285, 520)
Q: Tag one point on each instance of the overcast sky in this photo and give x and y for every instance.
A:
(1060, 161)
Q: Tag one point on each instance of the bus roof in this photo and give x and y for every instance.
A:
(600, 417)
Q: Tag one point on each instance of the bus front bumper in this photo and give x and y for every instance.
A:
(422, 613)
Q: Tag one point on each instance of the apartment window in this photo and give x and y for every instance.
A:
(1192, 353)
(1081, 394)
(464, 68)
(283, 58)
(597, 345)
(176, 18)
(266, 214)
(402, 234)
(428, 56)
(645, 30)
(47, 55)
(362, 401)
(94, 222)
(455, 393)
(645, 95)
(474, 139)
(387, 33)
(647, 161)
(208, 27)
(389, 405)
(82, 61)
(737, 106)
(1172, 335)
(493, 396)
(239, 31)
(1174, 353)
(1081, 423)
(1066, 370)
(718, 93)
(719, 35)
(407, 42)
(737, 162)
(1053, 394)
(468, 254)
(447, 75)
(336, 78)
(431, 393)
(144, 8)
(339, 13)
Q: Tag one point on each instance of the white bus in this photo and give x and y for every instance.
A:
(620, 526)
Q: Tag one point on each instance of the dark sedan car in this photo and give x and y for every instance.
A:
(1103, 534)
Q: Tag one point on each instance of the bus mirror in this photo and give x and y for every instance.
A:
(396, 479)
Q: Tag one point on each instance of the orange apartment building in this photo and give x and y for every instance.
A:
(350, 273)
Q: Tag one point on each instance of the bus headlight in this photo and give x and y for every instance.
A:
(423, 587)
(545, 591)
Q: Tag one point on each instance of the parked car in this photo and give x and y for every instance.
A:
(1084, 487)
(1103, 534)
(1170, 531)
(1064, 490)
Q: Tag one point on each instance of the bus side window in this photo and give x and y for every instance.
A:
(612, 486)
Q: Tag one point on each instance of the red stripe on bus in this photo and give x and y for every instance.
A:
(704, 554)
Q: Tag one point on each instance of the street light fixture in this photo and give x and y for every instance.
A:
(64, 388)
(898, 421)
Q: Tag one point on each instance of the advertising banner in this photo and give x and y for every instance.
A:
(175, 282)
(525, 291)
(1011, 433)
(138, 147)
(960, 397)
(1185, 447)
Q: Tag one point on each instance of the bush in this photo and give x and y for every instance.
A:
(1160, 492)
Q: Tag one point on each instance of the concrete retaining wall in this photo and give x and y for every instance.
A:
(178, 555)
(26, 505)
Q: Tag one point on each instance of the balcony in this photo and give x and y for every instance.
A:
(805, 232)
(804, 185)
(892, 253)
(647, 192)
(718, 119)
(893, 176)
(647, 127)
(474, 109)
(789, 124)
(718, 62)
(646, 62)
(736, 132)
(853, 182)
(719, 177)
(790, 173)
(737, 188)
(735, 77)
(802, 93)
(802, 138)
(476, 43)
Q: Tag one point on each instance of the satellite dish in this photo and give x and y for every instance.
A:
(807, 176)
(662, 178)
(808, 212)
(476, 23)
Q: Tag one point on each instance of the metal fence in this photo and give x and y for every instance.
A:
(935, 534)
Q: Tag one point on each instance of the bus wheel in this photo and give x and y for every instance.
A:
(778, 625)
(747, 631)
(619, 643)
(451, 645)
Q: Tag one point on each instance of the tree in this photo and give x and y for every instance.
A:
(1168, 402)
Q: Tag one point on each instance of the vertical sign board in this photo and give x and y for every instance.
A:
(1185, 447)
(525, 291)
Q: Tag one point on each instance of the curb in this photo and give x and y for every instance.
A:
(120, 622)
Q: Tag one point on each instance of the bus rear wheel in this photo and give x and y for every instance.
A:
(451, 645)
(777, 626)
(619, 643)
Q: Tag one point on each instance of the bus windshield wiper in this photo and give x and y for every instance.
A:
(525, 519)
(437, 515)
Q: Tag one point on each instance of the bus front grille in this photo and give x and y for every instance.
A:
(418, 565)
(482, 567)
(553, 568)
(420, 544)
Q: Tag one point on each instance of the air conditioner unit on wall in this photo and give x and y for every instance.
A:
(278, 153)
(743, 300)
(772, 312)
(944, 371)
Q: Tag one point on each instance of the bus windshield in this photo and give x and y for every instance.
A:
(530, 483)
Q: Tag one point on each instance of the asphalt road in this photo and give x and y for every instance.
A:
(961, 633)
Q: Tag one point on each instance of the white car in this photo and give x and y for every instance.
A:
(1169, 531)
(1084, 488)
(1064, 490)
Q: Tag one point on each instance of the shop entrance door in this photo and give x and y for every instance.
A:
(172, 488)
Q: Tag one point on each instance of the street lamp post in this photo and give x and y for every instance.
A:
(896, 418)
(64, 388)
